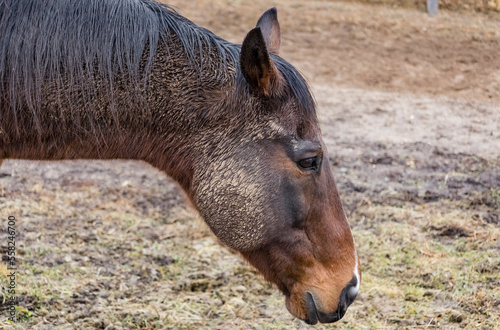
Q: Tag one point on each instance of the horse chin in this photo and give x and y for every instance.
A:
(308, 308)
(308, 313)
(288, 305)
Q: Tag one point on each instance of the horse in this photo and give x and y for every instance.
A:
(234, 125)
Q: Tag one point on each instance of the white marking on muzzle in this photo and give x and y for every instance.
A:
(354, 289)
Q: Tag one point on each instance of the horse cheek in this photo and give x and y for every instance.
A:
(233, 205)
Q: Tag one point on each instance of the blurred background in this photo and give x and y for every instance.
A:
(409, 105)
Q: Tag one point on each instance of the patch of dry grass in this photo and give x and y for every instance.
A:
(427, 265)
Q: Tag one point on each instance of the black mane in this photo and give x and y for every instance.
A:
(83, 42)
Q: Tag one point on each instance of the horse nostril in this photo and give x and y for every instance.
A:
(348, 295)
(352, 293)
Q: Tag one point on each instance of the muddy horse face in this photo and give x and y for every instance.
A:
(266, 189)
(234, 125)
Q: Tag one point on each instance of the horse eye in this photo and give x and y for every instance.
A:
(308, 163)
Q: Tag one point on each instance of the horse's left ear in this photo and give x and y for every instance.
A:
(256, 64)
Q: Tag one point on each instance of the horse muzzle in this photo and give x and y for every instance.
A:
(314, 313)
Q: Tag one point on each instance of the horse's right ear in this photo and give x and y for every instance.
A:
(256, 64)
(271, 30)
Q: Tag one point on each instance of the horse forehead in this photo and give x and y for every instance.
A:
(276, 128)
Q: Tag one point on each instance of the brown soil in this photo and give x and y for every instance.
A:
(455, 5)
(410, 111)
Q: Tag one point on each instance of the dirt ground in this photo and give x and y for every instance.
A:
(454, 5)
(410, 111)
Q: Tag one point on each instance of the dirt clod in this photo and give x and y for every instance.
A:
(450, 231)
(456, 317)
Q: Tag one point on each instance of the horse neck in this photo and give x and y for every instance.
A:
(187, 101)
(178, 103)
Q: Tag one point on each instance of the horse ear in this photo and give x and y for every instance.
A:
(271, 31)
(256, 65)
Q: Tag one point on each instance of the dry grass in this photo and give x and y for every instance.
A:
(428, 265)
(117, 265)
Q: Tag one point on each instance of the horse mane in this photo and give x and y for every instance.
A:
(299, 88)
(86, 43)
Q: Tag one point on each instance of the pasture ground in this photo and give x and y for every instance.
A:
(409, 106)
